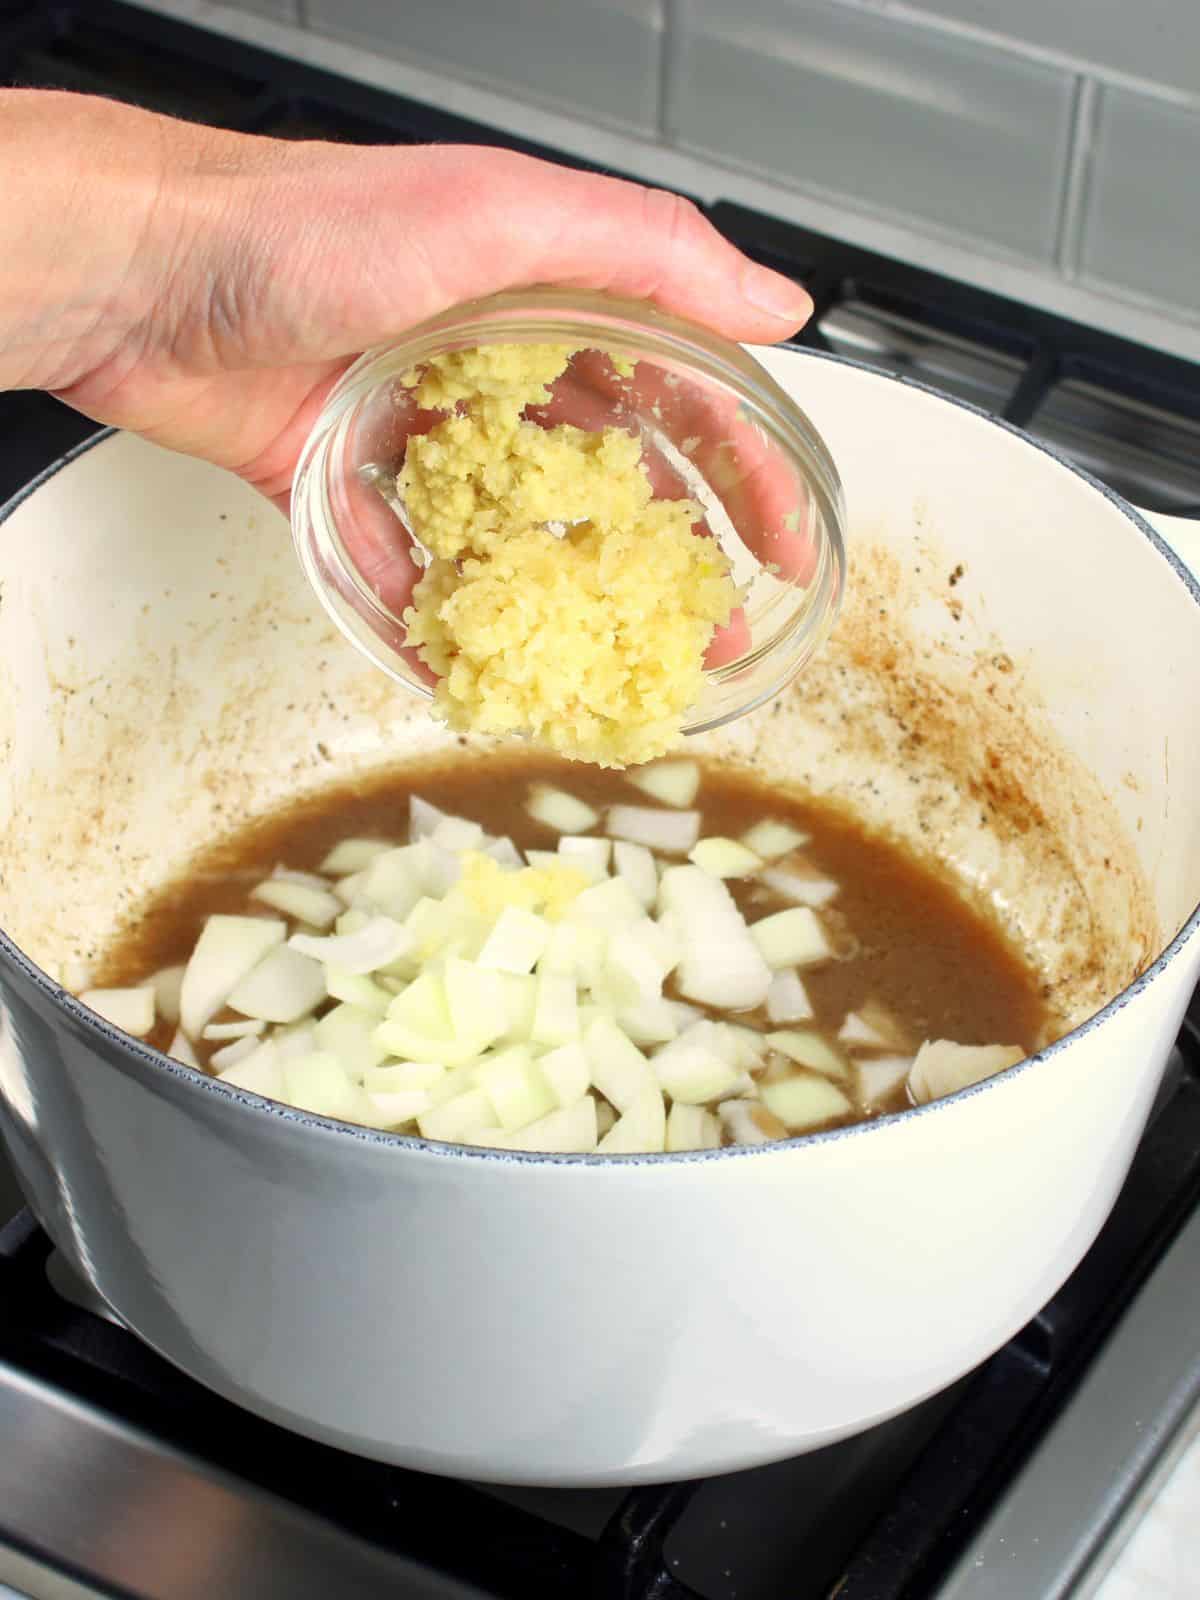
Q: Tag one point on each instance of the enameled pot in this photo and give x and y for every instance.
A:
(1012, 690)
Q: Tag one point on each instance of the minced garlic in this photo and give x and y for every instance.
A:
(563, 601)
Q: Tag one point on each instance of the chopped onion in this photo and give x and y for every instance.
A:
(348, 1033)
(673, 832)
(770, 839)
(130, 1009)
(567, 1073)
(793, 938)
(675, 783)
(857, 1030)
(605, 1118)
(787, 998)
(352, 856)
(618, 1068)
(181, 1048)
(637, 866)
(570, 1130)
(591, 856)
(318, 907)
(641, 1127)
(228, 950)
(692, 1128)
(556, 1010)
(797, 886)
(476, 1002)
(563, 812)
(356, 990)
(308, 880)
(455, 1120)
(749, 1123)
(418, 1028)
(804, 1101)
(721, 965)
(577, 949)
(693, 1068)
(879, 1079)
(725, 858)
(942, 1068)
(234, 1030)
(320, 1084)
(610, 905)
(516, 941)
(423, 817)
(808, 1049)
(394, 1108)
(457, 834)
(520, 1004)
(230, 1054)
(392, 1077)
(653, 1020)
(394, 882)
(167, 985)
(261, 1072)
(377, 943)
(284, 986)
(504, 851)
(515, 1086)
(300, 1039)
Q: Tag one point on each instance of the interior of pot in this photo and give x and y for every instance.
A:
(1008, 691)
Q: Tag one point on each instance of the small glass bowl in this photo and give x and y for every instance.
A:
(715, 427)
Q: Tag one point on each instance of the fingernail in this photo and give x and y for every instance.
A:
(773, 293)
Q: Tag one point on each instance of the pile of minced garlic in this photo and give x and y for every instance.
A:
(563, 601)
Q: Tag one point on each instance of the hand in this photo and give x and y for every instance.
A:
(206, 289)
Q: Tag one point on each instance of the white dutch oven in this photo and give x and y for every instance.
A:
(578, 1320)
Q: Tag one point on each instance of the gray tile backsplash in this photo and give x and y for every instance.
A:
(1154, 39)
(840, 99)
(1142, 225)
(600, 58)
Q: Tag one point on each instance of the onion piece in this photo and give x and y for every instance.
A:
(725, 858)
(394, 882)
(637, 866)
(771, 839)
(799, 887)
(618, 1068)
(308, 880)
(591, 856)
(520, 1003)
(318, 907)
(167, 985)
(556, 1010)
(285, 986)
(423, 817)
(516, 941)
(605, 1118)
(298, 1039)
(809, 1049)
(352, 856)
(787, 998)
(130, 1009)
(247, 1029)
(694, 1068)
(348, 1033)
(569, 1130)
(504, 851)
(721, 965)
(879, 1079)
(391, 1077)
(641, 1127)
(652, 1020)
(228, 950)
(555, 808)
(610, 905)
(393, 1108)
(675, 783)
(515, 1086)
(804, 1101)
(567, 1072)
(230, 1054)
(673, 832)
(576, 949)
(318, 1083)
(455, 1120)
(418, 1027)
(746, 1122)
(377, 943)
(792, 938)
(181, 1049)
(356, 990)
(692, 1128)
(261, 1072)
(476, 1002)
(458, 834)
(942, 1067)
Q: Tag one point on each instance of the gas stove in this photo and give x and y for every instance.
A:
(120, 1476)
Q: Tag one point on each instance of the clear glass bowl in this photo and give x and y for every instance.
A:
(715, 426)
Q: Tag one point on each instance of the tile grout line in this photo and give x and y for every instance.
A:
(1077, 178)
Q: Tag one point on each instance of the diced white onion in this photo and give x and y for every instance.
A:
(308, 880)
(675, 783)
(807, 1048)
(348, 1033)
(352, 856)
(793, 938)
(356, 990)
(618, 1068)
(570, 1130)
(721, 964)
(230, 1054)
(796, 886)
(455, 1120)
(637, 866)
(556, 1010)
(567, 1073)
(320, 1084)
(725, 858)
(589, 855)
(130, 1009)
(261, 1071)
(771, 839)
(693, 1068)
(744, 1123)
(423, 817)
(563, 812)
(376, 944)
(942, 1067)
(516, 941)
(228, 949)
(320, 908)
(515, 1086)
(692, 1128)
(504, 851)
(181, 1048)
(167, 985)
(247, 1029)
(673, 832)
(804, 1101)
(457, 834)
(787, 998)
(879, 1079)
(641, 1127)
(285, 986)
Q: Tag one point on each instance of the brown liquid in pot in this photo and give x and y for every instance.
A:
(912, 942)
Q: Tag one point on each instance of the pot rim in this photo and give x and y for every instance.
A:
(190, 1080)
